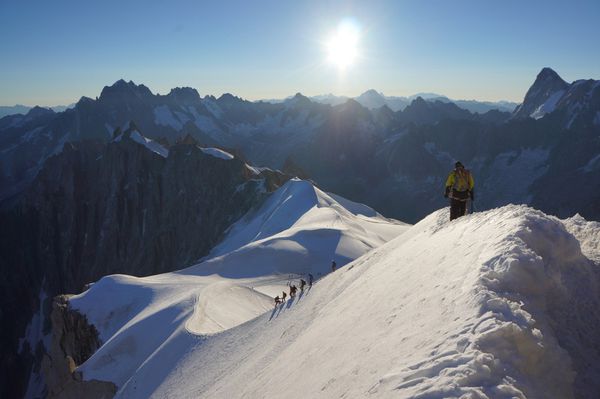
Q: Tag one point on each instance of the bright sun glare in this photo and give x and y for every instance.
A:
(342, 47)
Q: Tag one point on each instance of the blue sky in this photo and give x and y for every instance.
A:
(54, 52)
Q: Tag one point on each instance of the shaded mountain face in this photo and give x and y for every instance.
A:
(128, 206)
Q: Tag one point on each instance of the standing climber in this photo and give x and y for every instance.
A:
(302, 284)
(283, 295)
(277, 300)
(459, 188)
(292, 291)
(310, 280)
(333, 265)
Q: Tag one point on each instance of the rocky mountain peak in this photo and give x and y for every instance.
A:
(419, 103)
(184, 94)
(122, 90)
(372, 99)
(228, 98)
(188, 140)
(549, 75)
(39, 111)
(130, 127)
(548, 87)
(300, 96)
(371, 93)
(299, 100)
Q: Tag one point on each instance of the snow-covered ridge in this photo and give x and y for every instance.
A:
(217, 153)
(150, 144)
(161, 150)
(298, 230)
(146, 142)
(499, 304)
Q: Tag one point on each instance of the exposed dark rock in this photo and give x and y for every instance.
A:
(74, 340)
(185, 95)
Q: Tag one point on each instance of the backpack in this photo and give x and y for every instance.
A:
(461, 180)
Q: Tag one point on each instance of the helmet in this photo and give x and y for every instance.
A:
(458, 164)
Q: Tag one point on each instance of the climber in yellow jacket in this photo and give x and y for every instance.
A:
(459, 188)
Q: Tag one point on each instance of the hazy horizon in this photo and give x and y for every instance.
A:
(53, 54)
(290, 95)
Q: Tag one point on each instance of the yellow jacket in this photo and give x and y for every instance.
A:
(460, 180)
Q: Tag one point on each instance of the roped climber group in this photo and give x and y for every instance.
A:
(302, 285)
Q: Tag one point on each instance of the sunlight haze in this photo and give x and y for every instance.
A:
(270, 49)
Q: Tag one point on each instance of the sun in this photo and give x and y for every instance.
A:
(342, 47)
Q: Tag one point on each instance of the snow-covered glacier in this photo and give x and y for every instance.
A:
(498, 304)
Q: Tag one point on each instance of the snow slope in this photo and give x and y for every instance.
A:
(150, 144)
(298, 230)
(548, 106)
(498, 304)
(146, 142)
(217, 153)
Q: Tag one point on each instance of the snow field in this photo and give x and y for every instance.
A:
(497, 304)
(298, 230)
(500, 304)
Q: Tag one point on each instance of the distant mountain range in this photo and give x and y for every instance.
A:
(373, 99)
(255, 129)
(349, 148)
(23, 109)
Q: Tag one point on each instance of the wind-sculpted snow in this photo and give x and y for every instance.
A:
(225, 304)
(299, 230)
(588, 234)
(218, 153)
(297, 208)
(500, 304)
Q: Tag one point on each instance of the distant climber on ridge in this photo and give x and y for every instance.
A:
(333, 265)
(459, 188)
(292, 291)
(302, 284)
(310, 279)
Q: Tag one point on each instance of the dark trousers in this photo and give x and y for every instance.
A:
(457, 208)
